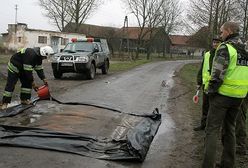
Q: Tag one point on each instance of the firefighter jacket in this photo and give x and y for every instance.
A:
(25, 61)
(229, 75)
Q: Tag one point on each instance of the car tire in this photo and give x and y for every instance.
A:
(91, 72)
(57, 74)
(105, 67)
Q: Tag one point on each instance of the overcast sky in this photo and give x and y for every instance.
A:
(111, 13)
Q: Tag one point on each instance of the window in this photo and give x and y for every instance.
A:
(64, 41)
(42, 39)
(19, 39)
(100, 47)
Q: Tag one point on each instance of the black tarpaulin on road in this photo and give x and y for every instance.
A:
(12, 111)
(17, 109)
(134, 145)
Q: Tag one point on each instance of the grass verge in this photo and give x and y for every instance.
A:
(116, 66)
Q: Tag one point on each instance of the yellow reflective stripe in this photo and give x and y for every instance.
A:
(27, 67)
(22, 50)
(7, 94)
(26, 90)
(236, 82)
(12, 68)
(206, 78)
(233, 92)
(38, 67)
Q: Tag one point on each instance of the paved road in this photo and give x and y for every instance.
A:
(137, 91)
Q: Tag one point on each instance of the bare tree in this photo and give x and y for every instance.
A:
(147, 14)
(212, 13)
(243, 5)
(171, 13)
(80, 10)
(62, 12)
(56, 11)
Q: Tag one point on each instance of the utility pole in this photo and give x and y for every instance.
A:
(127, 36)
(16, 8)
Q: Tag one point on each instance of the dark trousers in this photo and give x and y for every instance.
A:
(224, 110)
(241, 136)
(205, 107)
(10, 86)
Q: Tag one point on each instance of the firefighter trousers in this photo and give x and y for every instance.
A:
(26, 86)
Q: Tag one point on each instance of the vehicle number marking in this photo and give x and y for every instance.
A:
(66, 64)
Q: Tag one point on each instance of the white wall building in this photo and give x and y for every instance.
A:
(20, 36)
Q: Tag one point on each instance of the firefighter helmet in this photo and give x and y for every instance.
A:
(46, 51)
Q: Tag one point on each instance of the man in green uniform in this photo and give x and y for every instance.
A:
(203, 77)
(227, 88)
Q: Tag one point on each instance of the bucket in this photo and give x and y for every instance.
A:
(43, 92)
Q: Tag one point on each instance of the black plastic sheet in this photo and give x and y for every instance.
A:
(134, 145)
(15, 110)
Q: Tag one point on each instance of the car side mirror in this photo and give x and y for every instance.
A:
(95, 50)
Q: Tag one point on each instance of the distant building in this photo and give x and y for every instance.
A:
(95, 31)
(156, 38)
(117, 37)
(181, 45)
(20, 36)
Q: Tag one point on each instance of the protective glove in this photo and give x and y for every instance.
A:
(35, 87)
(45, 82)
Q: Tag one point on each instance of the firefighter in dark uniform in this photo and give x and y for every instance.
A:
(203, 77)
(227, 88)
(21, 66)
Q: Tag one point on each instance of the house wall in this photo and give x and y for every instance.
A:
(186, 50)
(19, 36)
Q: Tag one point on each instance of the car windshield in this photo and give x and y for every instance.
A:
(78, 47)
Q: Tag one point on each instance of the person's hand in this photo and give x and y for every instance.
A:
(35, 87)
(45, 82)
(198, 87)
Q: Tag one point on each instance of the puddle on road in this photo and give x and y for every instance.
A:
(167, 122)
(38, 111)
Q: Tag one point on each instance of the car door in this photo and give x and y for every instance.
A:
(101, 54)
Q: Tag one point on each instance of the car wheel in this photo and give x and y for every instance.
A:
(105, 67)
(91, 72)
(57, 74)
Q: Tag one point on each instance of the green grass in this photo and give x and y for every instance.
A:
(116, 66)
(189, 74)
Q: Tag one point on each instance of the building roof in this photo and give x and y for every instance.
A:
(25, 27)
(133, 32)
(92, 30)
(200, 38)
(179, 39)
